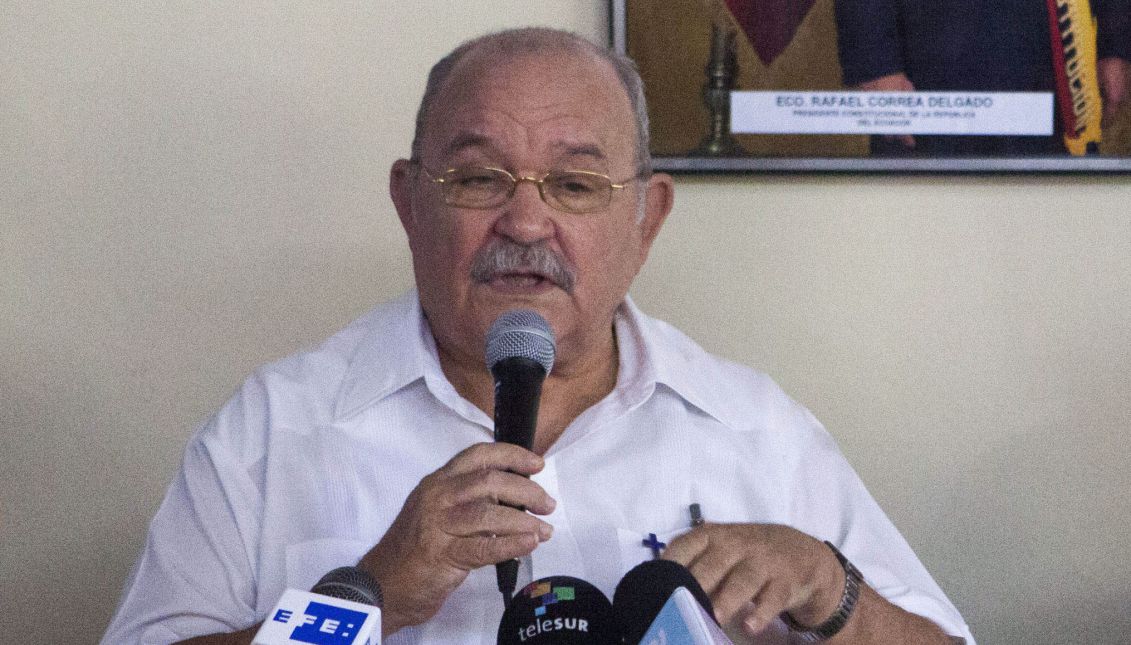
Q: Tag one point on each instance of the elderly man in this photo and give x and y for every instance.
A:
(529, 187)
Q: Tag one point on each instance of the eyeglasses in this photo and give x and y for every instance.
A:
(571, 191)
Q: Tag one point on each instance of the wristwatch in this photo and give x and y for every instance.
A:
(830, 628)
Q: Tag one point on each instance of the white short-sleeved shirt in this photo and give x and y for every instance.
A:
(306, 467)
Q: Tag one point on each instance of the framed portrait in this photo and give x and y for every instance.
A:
(883, 85)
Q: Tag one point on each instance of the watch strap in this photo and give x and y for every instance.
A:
(836, 622)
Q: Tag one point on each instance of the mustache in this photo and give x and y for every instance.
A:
(501, 257)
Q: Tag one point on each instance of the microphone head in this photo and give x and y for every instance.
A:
(642, 592)
(521, 333)
(350, 583)
(560, 610)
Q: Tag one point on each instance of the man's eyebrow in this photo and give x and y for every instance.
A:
(582, 150)
(468, 140)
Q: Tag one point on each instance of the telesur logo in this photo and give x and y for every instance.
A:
(323, 624)
(548, 595)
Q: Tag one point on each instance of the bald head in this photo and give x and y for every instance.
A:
(514, 44)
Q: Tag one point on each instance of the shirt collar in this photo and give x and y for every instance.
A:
(399, 349)
(396, 350)
(653, 353)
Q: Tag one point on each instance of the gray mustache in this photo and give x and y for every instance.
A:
(505, 256)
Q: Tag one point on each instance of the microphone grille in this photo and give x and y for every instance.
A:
(521, 333)
(350, 583)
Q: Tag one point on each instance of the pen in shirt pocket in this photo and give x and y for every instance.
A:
(696, 515)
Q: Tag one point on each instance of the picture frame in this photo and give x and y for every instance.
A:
(681, 49)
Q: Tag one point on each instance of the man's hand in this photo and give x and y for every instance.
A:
(1113, 73)
(754, 572)
(453, 522)
(897, 82)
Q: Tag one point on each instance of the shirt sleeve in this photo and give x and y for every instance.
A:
(868, 39)
(196, 572)
(830, 502)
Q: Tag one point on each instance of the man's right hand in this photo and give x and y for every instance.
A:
(897, 82)
(453, 522)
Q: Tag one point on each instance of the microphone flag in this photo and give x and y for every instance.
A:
(683, 621)
(313, 619)
(659, 602)
(561, 610)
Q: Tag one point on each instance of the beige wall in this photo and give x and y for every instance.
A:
(189, 190)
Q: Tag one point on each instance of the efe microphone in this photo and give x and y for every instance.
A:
(520, 353)
(343, 607)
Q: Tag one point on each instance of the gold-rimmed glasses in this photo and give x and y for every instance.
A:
(571, 191)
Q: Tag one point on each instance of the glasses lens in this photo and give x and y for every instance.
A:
(578, 192)
(475, 187)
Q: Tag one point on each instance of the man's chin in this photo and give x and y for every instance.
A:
(495, 297)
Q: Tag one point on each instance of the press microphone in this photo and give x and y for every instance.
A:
(558, 610)
(343, 608)
(520, 353)
(660, 602)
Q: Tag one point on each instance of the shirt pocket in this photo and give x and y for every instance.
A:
(636, 547)
(633, 551)
(308, 561)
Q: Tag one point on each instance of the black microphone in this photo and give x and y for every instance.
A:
(661, 599)
(558, 610)
(520, 353)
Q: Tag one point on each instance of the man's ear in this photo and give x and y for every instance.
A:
(401, 180)
(658, 201)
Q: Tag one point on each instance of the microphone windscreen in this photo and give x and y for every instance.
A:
(521, 333)
(560, 610)
(642, 592)
(350, 583)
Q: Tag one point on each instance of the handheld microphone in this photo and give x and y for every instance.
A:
(659, 601)
(520, 353)
(558, 610)
(343, 608)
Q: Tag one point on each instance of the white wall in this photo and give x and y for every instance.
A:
(188, 190)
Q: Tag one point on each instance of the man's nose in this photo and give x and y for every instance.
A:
(526, 217)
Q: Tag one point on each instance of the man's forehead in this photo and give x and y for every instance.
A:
(477, 139)
(572, 100)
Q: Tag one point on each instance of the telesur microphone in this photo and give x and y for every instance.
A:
(560, 610)
(343, 608)
(660, 602)
(520, 353)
